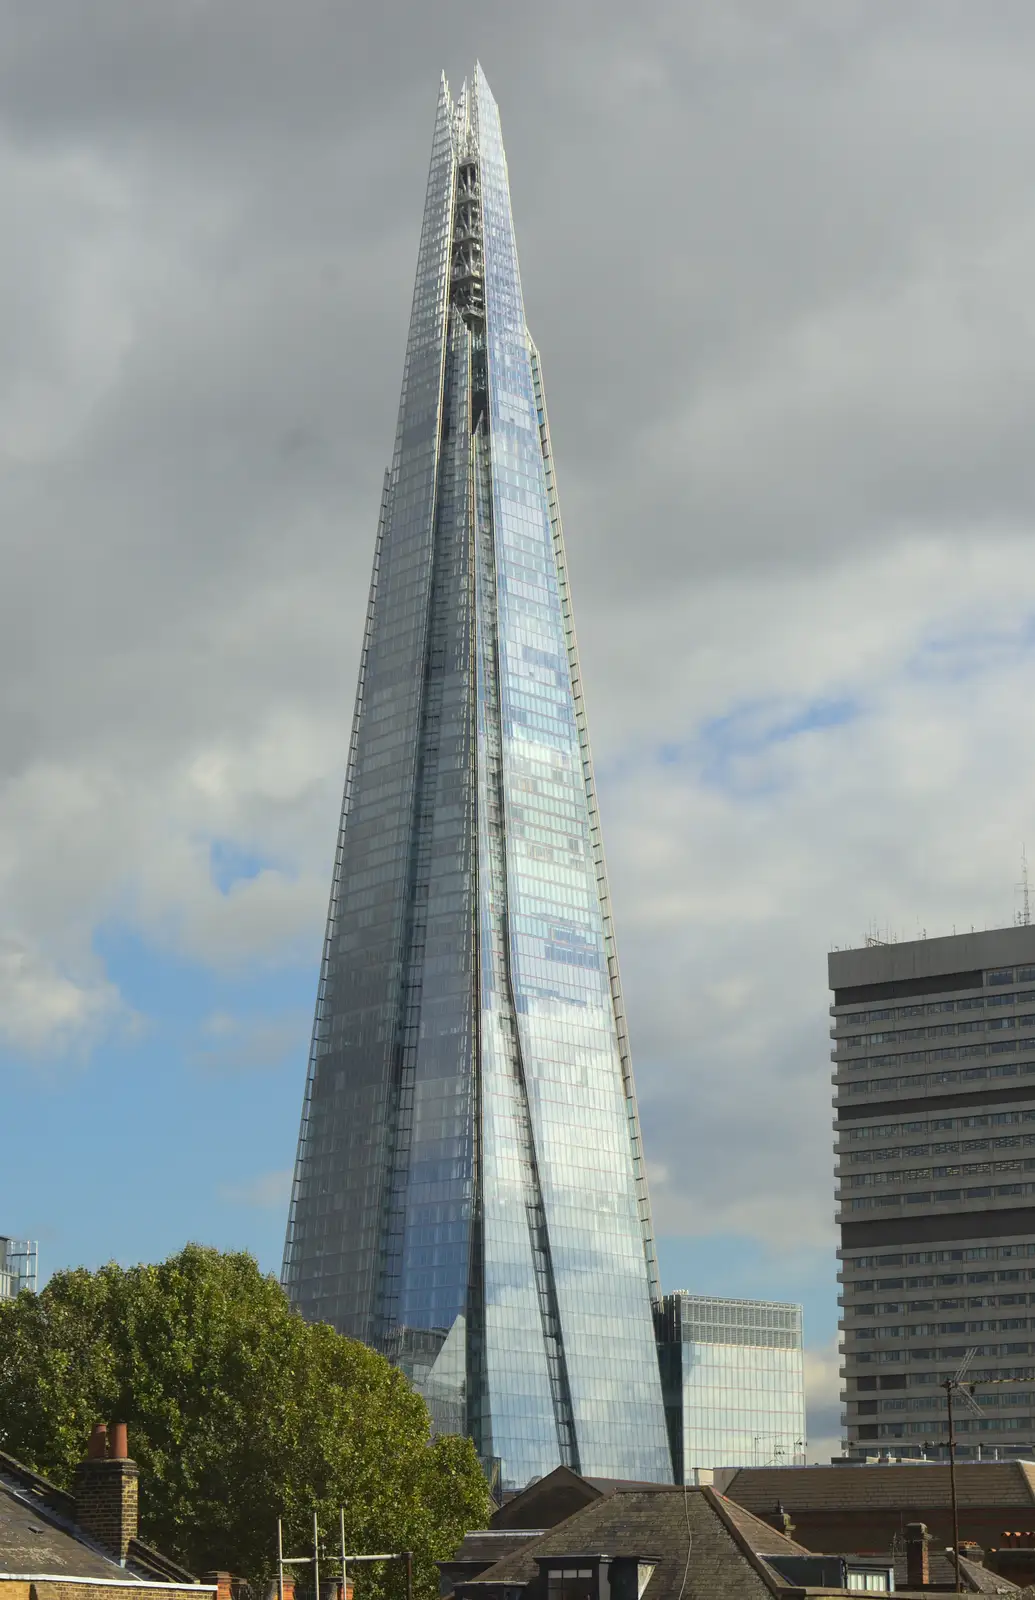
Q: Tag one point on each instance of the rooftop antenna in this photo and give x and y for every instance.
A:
(404, 1556)
(1024, 917)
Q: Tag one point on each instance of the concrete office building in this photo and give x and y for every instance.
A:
(935, 1123)
(733, 1378)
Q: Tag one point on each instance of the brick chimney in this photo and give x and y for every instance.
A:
(918, 1563)
(107, 1491)
(780, 1520)
(223, 1583)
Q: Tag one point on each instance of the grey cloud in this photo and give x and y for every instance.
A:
(717, 214)
(778, 261)
(823, 1404)
(907, 817)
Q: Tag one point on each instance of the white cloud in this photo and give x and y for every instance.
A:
(269, 1191)
(758, 841)
(823, 1403)
(230, 1044)
(45, 1012)
(122, 834)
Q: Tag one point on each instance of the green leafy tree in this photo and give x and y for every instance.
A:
(239, 1412)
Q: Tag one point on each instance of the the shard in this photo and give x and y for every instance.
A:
(469, 1193)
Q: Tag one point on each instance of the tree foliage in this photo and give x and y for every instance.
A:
(239, 1412)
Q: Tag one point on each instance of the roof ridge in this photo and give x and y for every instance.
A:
(147, 1556)
(31, 1479)
(41, 1508)
(740, 1538)
(793, 1547)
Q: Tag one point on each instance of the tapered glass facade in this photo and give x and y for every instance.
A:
(469, 1194)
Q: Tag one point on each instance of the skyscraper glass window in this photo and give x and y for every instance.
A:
(18, 1266)
(734, 1382)
(469, 1194)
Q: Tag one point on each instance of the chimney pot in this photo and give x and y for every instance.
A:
(118, 1442)
(97, 1448)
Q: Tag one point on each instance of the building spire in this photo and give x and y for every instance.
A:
(468, 1192)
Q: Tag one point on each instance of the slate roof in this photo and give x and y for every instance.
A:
(612, 1485)
(481, 1548)
(722, 1541)
(546, 1501)
(492, 1544)
(705, 1545)
(38, 1535)
(972, 1574)
(756, 1531)
(923, 1485)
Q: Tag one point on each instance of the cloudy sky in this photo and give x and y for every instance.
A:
(779, 261)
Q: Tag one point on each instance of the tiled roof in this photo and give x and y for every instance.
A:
(704, 1545)
(546, 1501)
(980, 1579)
(148, 1562)
(38, 1535)
(759, 1534)
(492, 1544)
(985, 1483)
(33, 1540)
(611, 1485)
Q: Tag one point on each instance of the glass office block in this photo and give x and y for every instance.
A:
(734, 1382)
(469, 1194)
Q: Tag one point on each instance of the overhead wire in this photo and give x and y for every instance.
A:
(689, 1541)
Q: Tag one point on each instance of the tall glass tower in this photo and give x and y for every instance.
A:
(469, 1194)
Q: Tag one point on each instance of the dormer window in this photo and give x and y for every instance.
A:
(571, 1583)
(594, 1576)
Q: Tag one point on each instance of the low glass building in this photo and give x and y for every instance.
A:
(734, 1382)
(18, 1268)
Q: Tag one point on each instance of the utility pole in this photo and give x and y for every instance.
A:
(948, 1386)
(954, 1385)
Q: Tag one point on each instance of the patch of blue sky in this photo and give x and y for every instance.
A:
(972, 652)
(739, 1267)
(230, 863)
(154, 1138)
(734, 752)
(164, 986)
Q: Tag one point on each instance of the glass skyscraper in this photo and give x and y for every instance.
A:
(469, 1194)
(734, 1381)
